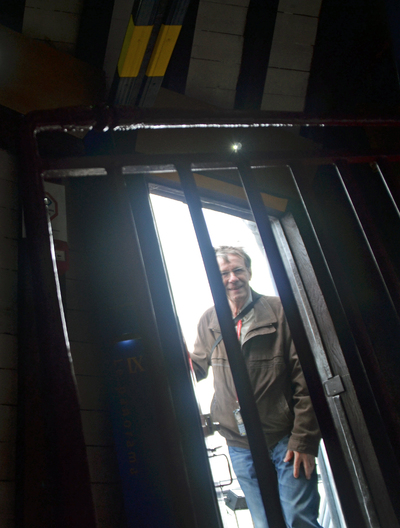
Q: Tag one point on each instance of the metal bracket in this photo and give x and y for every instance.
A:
(334, 386)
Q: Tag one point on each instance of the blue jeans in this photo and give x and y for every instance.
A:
(299, 497)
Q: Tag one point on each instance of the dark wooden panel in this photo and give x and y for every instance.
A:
(330, 223)
(333, 394)
(12, 14)
(347, 239)
(353, 409)
(354, 513)
(352, 50)
(37, 76)
(61, 448)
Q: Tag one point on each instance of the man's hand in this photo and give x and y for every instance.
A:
(308, 462)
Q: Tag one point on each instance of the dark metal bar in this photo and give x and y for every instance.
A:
(66, 451)
(369, 290)
(264, 468)
(128, 118)
(327, 216)
(148, 443)
(138, 163)
(389, 174)
(335, 402)
(380, 220)
(366, 427)
(198, 471)
(351, 508)
(170, 499)
(33, 503)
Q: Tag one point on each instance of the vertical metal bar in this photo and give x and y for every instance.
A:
(264, 468)
(350, 505)
(33, 503)
(345, 408)
(172, 497)
(357, 350)
(390, 176)
(176, 360)
(65, 451)
(371, 298)
(379, 217)
(335, 403)
(357, 395)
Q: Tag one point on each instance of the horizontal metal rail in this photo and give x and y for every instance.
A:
(137, 163)
(127, 118)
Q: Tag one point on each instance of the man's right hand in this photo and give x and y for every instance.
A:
(308, 462)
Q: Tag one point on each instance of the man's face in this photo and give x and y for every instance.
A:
(235, 277)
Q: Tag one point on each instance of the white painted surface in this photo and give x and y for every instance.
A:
(292, 48)
(53, 21)
(217, 52)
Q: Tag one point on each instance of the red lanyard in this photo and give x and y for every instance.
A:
(239, 328)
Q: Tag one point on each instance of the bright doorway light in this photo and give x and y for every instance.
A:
(192, 294)
(187, 276)
(184, 263)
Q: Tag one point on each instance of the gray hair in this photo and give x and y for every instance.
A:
(224, 251)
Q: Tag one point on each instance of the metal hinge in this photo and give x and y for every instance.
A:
(333, 386)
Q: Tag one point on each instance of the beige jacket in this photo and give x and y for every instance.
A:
(280, 389)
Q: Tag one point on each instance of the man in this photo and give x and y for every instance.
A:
(280, 391)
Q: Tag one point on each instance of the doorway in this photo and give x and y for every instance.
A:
(192, 296)
(339, 346)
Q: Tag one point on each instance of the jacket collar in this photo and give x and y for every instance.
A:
(263, 314)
